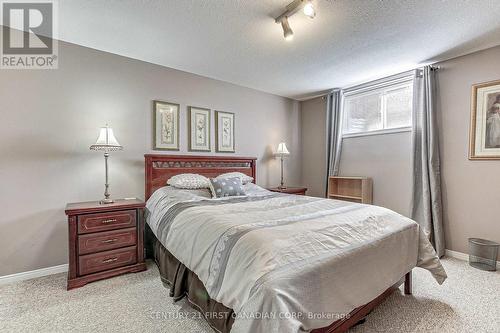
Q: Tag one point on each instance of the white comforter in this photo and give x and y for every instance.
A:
(287, 263)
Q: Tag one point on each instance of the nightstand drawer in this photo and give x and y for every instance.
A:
(106, 221)
(107, 240)
(102, 261)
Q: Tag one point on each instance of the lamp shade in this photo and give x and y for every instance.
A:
(106, 141)
(282, 150)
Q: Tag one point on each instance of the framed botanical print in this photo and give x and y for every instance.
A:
(199, 129)
(166, 125)
(485, 122)
(224, 132)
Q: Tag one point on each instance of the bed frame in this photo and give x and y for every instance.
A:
(159, 168)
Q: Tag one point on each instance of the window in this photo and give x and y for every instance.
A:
(373, 110)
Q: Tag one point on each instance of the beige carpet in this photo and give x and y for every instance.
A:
(469, 301)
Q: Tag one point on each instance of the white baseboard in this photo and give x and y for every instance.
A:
(456, 255)
(460, 255)
(33, 274)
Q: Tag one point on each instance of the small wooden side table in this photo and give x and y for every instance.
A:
(105, 240)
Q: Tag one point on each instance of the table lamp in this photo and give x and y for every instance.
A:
(282, 151)
(106, 142)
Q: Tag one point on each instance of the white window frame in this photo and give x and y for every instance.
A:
(390, 83)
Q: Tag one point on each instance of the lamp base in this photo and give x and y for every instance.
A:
(106, 201)
(282, 187)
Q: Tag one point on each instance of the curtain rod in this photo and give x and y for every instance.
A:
(432, 67)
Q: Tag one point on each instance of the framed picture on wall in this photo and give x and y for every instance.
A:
(224, 132)
(199, 129)
(485, 122)
(165, 126)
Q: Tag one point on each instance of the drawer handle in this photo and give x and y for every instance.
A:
(108, 221)
(107, 241)
(110, 260)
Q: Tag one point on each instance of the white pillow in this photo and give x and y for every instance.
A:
(244, 178)
(190, 181)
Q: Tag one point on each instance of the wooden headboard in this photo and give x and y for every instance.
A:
(159, 168)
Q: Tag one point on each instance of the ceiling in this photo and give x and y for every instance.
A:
(349, 41)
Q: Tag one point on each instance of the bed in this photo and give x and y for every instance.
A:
(276, 262)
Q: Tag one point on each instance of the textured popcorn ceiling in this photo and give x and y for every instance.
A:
(237, 41)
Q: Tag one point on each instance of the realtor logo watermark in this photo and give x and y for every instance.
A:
(29, 34)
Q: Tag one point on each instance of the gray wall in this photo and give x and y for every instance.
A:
(386, 158)
(470, 188)
(50, 117)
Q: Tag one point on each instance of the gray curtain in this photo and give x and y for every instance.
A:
(333, 133)
(426, 205)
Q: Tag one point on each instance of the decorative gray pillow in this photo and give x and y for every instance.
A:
(227, 187)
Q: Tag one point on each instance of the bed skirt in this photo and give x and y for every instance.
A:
(184, 283)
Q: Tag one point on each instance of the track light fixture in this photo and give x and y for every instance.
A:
(309, 9)
(306, 6)
(287, 31)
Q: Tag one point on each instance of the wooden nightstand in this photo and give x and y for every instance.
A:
(290, 190)
(105, 240)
